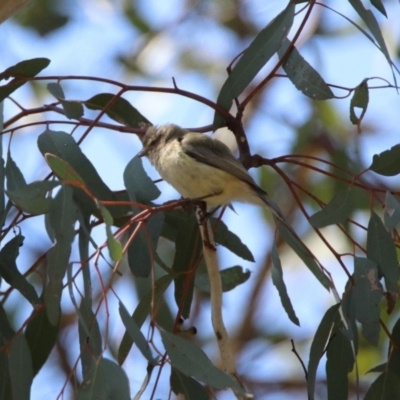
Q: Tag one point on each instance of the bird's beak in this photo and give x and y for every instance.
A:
(142, 153)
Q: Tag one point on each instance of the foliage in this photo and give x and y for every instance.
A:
(156, 247)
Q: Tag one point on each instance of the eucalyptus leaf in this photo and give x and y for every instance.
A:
(387, 163)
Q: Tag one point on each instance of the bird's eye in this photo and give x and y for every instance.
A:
(180, 138)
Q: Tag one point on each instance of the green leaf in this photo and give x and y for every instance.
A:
(138, 184)
(360, 99)
(304, 253)
(382, 250)
(336, 211)
(277, 280)
(63, 146)
(392, 211)
(153, 297)
(90, 339)
(224, 237)
(368, 293)
(20, 368)
(394, 350)
(114, 246)
(386, 387)
(142, 250)
(192, 361)
(10, 273)
(379, 6)
(41, 337)
(387, 163)
(230, 278)
(72, 109)
(15, 179)
(105, 381)
(62, 169)
(369, 19)
(187, 250)
(304, 77)
(318, 345)
(117, 108)
(20, 71)
(63, 214)
(261, 49)
(187, 386)
(2, 170)
(136, 334)
(32, 198)
(339, 363)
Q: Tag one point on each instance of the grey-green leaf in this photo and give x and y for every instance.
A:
(318, 346)
(192, 361)
(336, 211)
(261, 49)
(387, 163)
(382, 250)
(187, 386)
(392, 211)
(304, 77)
(277, 279)
(10, 272)
(117, 108)
(386, 387)
(368, 293)
(105, 381)
(15, 179)
(360, 100)
(230, 278)
(136, 334)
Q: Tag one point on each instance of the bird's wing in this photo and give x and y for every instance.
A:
(216, 154)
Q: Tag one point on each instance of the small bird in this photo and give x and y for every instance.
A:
(201, 167)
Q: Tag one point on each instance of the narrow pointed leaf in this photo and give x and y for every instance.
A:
(277, 279)
(136, 334)
(15, 179)
(63, 170)
(10, 272)
(230, 278)
(187, 386)
(224, 237)
(261, 49)
(303, 75)
(339, 363)
(360, 100)
(20, 71)
(382, 250)
(72, 109)
(368, 293)
(192, 361)
(318, 346)
(117, 108)
(392, 211)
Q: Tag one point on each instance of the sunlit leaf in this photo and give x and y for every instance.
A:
(277, 279)
(304, 77)
(387, 163)
(62, 169)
